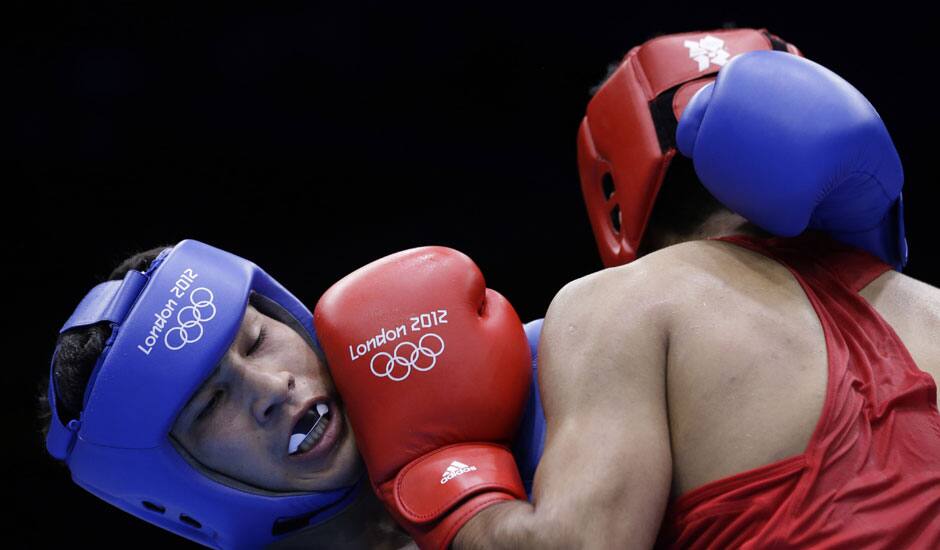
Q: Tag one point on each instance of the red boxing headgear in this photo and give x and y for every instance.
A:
(627, 138)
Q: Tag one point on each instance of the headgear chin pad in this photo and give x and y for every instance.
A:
(626, 141)
(170, 327)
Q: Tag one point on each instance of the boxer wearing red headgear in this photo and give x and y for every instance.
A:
(753, 391)
(626, 142)
(774, 392)
(761, 151)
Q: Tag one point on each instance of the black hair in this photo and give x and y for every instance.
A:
(682, 206)
(78, 352)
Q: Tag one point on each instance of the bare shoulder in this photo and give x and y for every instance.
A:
(631, 313)
(912, 308)
(602, 356)
(908, 292)
(610, 298)
(660, 282)
(603, 321)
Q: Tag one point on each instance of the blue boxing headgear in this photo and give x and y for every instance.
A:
(171, 326)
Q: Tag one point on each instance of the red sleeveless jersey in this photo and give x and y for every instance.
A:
(870, 475)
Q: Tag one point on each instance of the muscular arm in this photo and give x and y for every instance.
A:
(604, 477)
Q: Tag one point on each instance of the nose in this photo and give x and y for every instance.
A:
(267, 391)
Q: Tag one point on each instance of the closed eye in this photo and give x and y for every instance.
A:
(260, 340)
(210, 405)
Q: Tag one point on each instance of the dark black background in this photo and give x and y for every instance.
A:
(315, 137)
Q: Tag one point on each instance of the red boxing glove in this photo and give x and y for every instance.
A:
(434, 369)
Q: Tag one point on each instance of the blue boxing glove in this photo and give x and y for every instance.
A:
(790, 145)
(530, 438)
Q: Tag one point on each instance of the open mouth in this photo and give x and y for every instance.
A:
(309, 430)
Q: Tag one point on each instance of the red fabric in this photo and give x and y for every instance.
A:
(870, 476)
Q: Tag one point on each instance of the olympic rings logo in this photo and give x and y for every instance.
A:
(410, 361)
(191, 318)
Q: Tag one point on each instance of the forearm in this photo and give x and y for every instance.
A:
(512, 525)
(592, 519)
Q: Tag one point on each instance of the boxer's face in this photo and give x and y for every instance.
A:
(240, 421)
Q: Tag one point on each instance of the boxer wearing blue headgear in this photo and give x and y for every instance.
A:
(209, 411)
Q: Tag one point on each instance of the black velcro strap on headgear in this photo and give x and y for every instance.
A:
(664, 119)
(776, 43)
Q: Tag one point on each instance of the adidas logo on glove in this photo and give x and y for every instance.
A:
(455, 469)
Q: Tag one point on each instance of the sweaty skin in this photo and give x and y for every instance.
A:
(248, 406)
(258, 388)
(710, 359)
